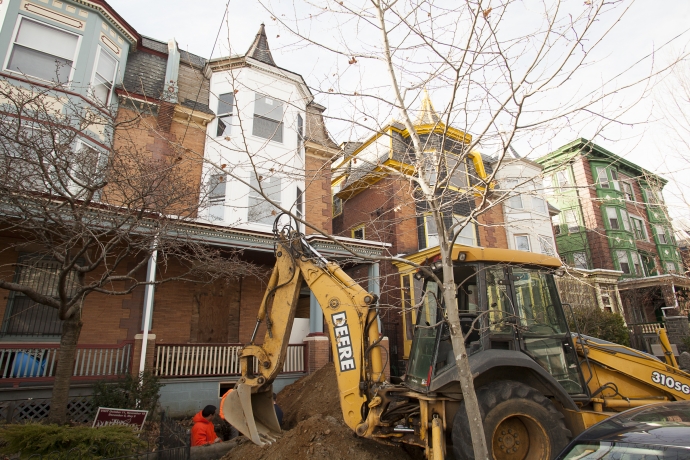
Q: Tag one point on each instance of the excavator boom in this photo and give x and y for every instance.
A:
(350, 314)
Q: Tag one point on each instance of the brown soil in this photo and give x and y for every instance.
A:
(318, 437)
(315, 394)
(313, 427)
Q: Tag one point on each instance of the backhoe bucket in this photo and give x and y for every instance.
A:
(252, 414)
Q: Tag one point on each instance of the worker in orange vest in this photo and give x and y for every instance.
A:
(202, 431)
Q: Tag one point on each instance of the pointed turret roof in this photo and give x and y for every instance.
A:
(427, 113)
(259, 48)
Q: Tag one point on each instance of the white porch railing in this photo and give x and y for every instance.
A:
(205, 360)
(40, 361)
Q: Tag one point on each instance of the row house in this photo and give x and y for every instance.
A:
(171, 105)
(613, 218)
(372, 202)
(527, 213)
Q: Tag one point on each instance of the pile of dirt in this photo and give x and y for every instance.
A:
(317, 437)
(314, 394)
(313, 427)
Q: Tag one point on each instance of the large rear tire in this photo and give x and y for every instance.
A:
(520, 424)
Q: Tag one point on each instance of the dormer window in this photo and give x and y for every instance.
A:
(268, 118)
(224, 112)
(104, 76)
(43, 51)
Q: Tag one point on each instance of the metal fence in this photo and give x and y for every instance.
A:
(31, 361)
(206, 360)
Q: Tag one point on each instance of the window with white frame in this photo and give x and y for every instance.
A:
(639, 269)
(572, 221)
(661, 234)
(614, 179)
(670, 267)
(86, 168)
(259, 209)
(268, 118)
(548, 185)
(556, 222)
(546, 245)
(43, 51)
(337, 202)
(104, 76)
(628, 190)
(639, 228)
(300, 133)
(467, 234)
(623, 262)
(224, 114)
(457, 171)
(580, 260)
(625, 218)
(539, 205)
(612, 217)
(431, 231)
(217, 188)
(563, 178)
(515, 200)
(522, 243)
(602, 177)
(299, 204)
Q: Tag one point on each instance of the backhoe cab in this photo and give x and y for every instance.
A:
(537, 383)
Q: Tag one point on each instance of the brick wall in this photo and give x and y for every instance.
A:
(318, 207)
(492, 233)
(591, 210)
(250, 300)
(639, 209)
(182, 145)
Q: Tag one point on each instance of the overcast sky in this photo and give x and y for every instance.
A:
(645, 28)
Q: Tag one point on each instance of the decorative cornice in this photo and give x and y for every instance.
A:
(120, 24)
(235, 62)
(184, 114)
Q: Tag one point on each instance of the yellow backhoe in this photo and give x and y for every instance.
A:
(537, 383)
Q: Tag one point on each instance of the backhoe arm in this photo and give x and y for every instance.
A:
(352, 327)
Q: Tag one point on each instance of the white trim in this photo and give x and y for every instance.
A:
(644, 227)
(13, 40)
(95, 69)
(517, 245)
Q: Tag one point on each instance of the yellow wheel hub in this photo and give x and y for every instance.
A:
(520, 437)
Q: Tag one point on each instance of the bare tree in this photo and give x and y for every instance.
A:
(86, 216)
(506, 72)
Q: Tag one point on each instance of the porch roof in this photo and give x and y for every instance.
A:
(331, 247)
(659, 280)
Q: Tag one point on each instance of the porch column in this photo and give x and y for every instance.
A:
(315, 315)
(374, 284)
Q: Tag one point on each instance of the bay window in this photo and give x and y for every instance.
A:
(224, 113)
(43, 51)
(268, 118)
(104, 76)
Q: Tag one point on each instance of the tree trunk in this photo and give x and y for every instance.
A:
(461, 359)
(71, 328)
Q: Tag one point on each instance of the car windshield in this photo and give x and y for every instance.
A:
(622, 451)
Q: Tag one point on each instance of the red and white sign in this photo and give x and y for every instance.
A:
(107, 416)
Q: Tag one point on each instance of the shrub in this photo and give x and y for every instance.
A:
(129, 393)
(601, 324)
(34, 438)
